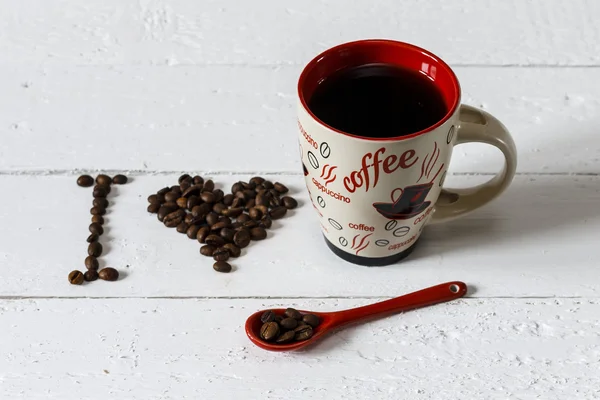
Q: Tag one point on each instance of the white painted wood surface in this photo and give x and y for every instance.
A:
(155, 87)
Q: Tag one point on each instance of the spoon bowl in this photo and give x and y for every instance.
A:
(331, 320)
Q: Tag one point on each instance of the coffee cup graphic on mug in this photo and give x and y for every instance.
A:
(377, 122)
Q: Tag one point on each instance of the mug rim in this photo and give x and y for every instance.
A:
(392, 44)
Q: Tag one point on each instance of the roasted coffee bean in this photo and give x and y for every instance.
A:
(184, 178)
(219, 195)
(183, 186)
(119, 179)
(156, 199)
(201, 210)
(236, 226)
(98, 219)
(255, 213)
(193, 190)
(257, 180)
(261, 200)
(278, 318)
(267, 185)
(243, 218)
(95, 249)
(250, 224)
(75, 277)
(182, 202)
(303, 332)
(197, 220)
(85, 181)
(182, 227)
(219, 225)
(233, 212)
(108, 274)
(207, 197)
(266, 222)
(212, 218)
(209, 185)
(228, 199)
(91, 262)
(288, 202)
(233, 250)
(311, 319)
(192, 202)
(202, 234)
(241, 195)
(96, 228)
(166, 209)
(302, 323)
(99, 191)
(93, 238)
(288, 323)
(176, 189)
(237, 187)
(278, 212)
(98, 211)
(258, 233)
(250, 204)
(192, 231)
(242, 238)
(105, 187)
(249, 194)
(90, 275)
(221, 254)
(267, 316)
(263, 209)
(207, 250)
(293, 313)
(103, 179)
(280, 187)
(215, 240)
(100, 202)
(198, 180)
(173, 219)
(188, 219)
(219, 208)
(222, 266)
(238, 202)
(153, 208)
(163, 191)
(171, 197)
(274, 202)
(286, 337)
(227, 234)
(260, 189)
(269, 331)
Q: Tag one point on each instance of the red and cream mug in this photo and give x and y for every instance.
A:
(374, 196)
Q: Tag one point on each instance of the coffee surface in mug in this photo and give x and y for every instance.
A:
(378, 100)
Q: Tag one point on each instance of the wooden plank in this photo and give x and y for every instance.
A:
(160, 32)
(229, 119)
(176, 349)
(538, 239)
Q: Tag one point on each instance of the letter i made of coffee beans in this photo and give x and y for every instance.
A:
(100, 204)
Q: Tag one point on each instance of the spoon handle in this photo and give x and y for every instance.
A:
(422, 298)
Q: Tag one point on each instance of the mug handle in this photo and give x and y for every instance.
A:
(482, 127)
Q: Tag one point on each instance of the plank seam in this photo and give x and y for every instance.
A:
(471, 298)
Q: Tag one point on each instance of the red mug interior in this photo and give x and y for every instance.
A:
(363, 52)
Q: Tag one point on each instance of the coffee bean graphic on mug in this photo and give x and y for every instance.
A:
(375, 157)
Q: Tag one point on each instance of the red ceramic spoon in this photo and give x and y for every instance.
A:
(331, 320)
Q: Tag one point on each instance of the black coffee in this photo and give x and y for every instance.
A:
(378, 100)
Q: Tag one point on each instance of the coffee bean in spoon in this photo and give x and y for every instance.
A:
(289, 323)
(293, 313)
(268, 316)
(269, 331)
(303, 333)
(286, 337)
(311, 319)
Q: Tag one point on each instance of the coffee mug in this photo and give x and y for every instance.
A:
(374, 195)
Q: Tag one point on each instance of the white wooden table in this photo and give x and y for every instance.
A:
(153, 88)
